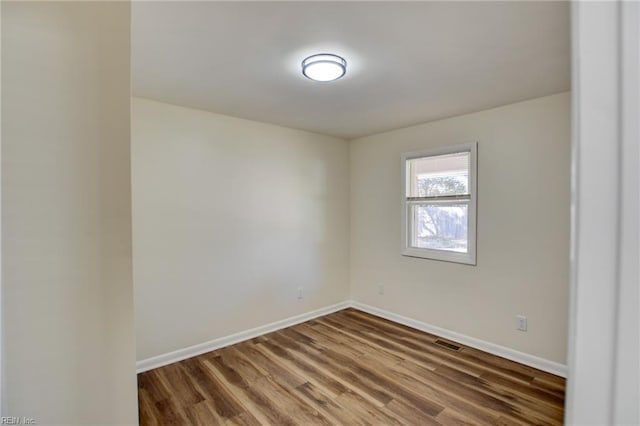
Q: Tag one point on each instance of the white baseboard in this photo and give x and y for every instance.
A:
(191, 351)
(501, 351)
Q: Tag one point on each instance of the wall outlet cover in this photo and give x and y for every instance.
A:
(521, 323)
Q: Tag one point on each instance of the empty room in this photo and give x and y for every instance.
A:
(318, 212)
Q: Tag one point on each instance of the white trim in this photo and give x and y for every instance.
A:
(604, 338)
(626, 391)
(2, 393)
(501, 351)
(468, 258)
(211, 345)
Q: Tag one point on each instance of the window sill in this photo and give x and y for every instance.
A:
(441, 255)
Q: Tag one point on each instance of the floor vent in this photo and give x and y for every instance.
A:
(448, 345)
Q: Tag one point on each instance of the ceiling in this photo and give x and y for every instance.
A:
(408, 62)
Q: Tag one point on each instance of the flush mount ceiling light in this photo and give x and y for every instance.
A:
(324, 67)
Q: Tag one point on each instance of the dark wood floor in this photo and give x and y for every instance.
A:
(349, 368)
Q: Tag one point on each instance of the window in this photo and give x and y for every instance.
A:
(439, 204)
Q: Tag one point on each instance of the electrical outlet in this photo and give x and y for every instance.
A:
(521, 323)
(380, 288)
(300, 293)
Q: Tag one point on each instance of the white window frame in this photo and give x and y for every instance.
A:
(444, 255)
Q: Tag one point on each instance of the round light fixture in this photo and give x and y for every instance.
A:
(324, 67)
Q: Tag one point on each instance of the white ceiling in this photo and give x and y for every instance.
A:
(408, 62)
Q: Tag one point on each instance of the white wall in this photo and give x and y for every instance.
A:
(523, 228)
(66, 223)
(230, 217)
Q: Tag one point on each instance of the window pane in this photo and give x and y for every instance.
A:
(438, 175)
(440, 226)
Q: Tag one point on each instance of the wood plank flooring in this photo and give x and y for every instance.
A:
(349, 368)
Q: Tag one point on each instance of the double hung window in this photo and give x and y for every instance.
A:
(439, 204)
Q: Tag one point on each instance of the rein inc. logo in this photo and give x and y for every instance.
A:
(14, 420)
